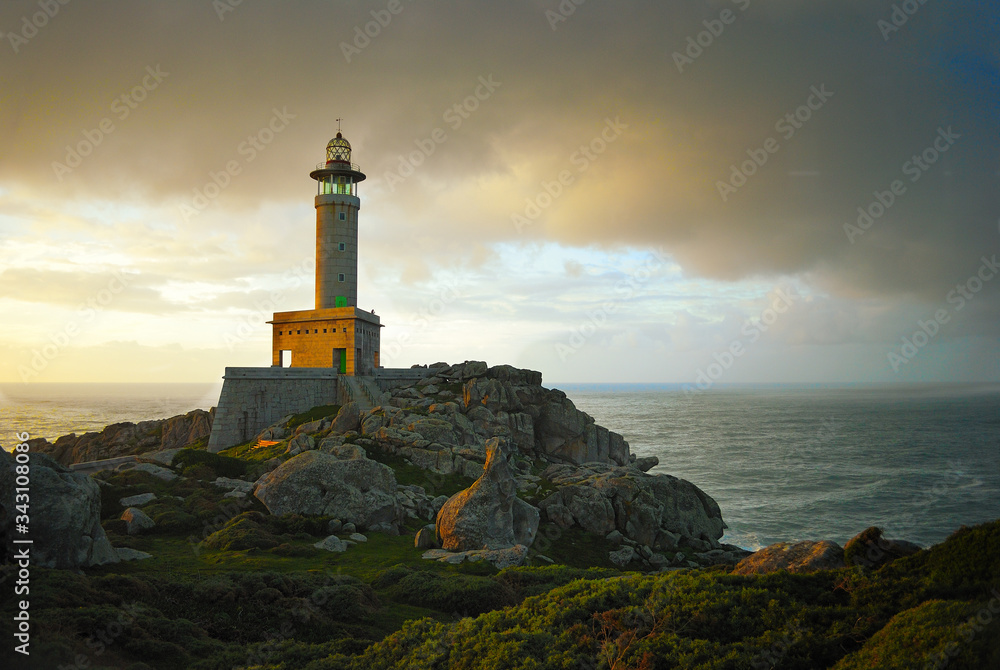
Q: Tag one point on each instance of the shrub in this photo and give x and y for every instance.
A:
(465, 595)
(242, 533)
(221, 466)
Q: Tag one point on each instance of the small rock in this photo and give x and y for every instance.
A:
(658, 561)
(300, 443)
(646, 463)
(334, 526)
(622, 557)
(358, 537)
(645, 552)
(155, 470)
(232, 484)
(679, 558)
(137, 520)
(425, 539)
(127, 554)
(614, 537)
(165, 457)
(348, 528)
(332, 543)
(137, 500)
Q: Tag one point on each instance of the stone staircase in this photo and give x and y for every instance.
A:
(362, 390)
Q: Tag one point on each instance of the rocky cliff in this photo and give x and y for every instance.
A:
(575, 472)
(122, 439)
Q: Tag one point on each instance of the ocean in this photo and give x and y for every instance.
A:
(785, 463)
(788, 463)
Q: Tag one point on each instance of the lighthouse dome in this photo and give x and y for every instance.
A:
(338, 149)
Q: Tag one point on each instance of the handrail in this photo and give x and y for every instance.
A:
(338, 165)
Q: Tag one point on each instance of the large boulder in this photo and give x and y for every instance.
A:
(565, 433)
(649, 509)
(488, 514)
(358, 490)
(180, 431)
(806, 556)
(348, 418)
(65, 515)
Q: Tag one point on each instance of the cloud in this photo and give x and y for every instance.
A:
(539, 135)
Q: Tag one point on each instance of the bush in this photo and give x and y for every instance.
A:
(464, 595)
(221, 466)
(175, 521)
(857, 548)
(241, 533)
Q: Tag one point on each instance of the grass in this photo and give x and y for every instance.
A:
(408, 474)
(312, 415)
(250, 452)
(232, 586)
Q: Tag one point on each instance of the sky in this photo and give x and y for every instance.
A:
(713, 192)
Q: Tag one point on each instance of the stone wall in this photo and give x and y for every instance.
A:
(390, 378)
(254, 398)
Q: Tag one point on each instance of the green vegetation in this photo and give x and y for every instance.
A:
(219, 465)
(251, 452)
(408, 474)
(231, 586)
(312, 415)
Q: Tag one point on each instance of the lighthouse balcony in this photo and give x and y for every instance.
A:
(338, 165)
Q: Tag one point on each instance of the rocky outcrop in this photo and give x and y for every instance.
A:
(488, 514)
(499, 558)
(358, 491)
(869, 549)
(65, 515)
(806, 556)
(501, 401)
(123, 439)
(653, 510)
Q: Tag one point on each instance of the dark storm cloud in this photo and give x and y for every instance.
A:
(879, 96)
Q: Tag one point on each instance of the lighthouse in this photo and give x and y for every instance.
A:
(335, 334)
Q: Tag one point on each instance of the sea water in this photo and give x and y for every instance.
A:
(796, 463)
(784, 463)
